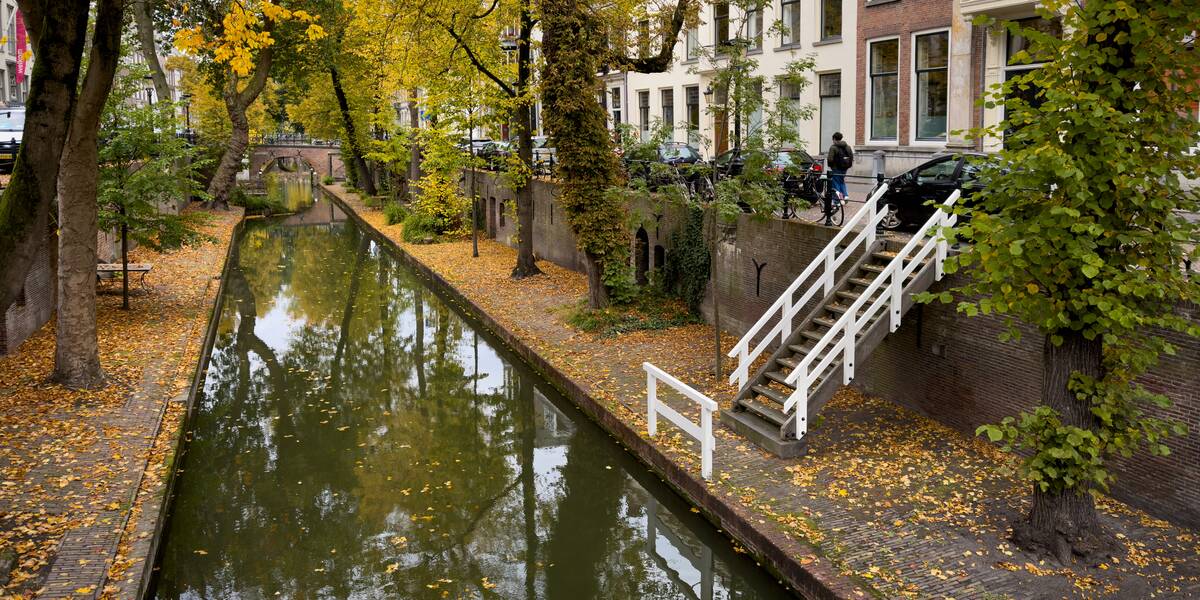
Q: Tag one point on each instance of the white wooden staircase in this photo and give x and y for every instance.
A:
(842, 306)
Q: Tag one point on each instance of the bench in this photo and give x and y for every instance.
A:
(142, 268)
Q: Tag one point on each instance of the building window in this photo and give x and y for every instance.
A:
(829, 87)
(791, 21)
(932, 85)
(693, 43)
(668, 108)
(831, 19)
(643, 38)
(789, 93)
(692, 97)
(754, 127)
(721, 25)
(1018, 60)
(616, 106)
(885, 83)
(644, 113)
(754, 25)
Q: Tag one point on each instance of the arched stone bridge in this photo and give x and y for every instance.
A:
(324, 159)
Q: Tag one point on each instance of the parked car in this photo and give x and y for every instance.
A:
(912, 196)
(544, 155)
(672, 154)
(465, 144)
(495, 154)
(797, 171)
(12, 126)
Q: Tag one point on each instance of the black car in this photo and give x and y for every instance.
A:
(495, 154)
(796, 170)
(913, 195)
(673, 154)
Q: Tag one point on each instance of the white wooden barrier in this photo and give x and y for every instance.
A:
(702, 433)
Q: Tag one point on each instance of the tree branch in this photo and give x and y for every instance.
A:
(661, 61)
(479, 66)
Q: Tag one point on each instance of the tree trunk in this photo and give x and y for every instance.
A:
(1065, 524)
(365, 181)
(526, 265)
(597, 291)
(231, 160)
(25, 203)
(143, 17)
(414, 152)
(236, 105)
(76, 351)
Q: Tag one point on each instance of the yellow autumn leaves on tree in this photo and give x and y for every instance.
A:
(245, 29)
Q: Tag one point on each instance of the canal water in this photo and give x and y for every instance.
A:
(357, 437)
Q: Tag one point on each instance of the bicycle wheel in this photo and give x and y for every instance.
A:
(839, 213)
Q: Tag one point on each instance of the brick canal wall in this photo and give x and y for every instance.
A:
(35, 304)
(949, 367)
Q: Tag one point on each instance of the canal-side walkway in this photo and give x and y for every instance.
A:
(83, 472)
(887, 503)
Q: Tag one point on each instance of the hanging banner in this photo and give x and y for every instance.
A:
(21, 58)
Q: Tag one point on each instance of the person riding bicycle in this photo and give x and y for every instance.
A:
(839, 159)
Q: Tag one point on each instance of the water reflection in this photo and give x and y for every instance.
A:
(358, 439)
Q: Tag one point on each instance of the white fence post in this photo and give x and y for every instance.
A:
(651, 404)
(702, 434)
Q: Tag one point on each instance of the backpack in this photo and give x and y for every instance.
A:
(845, 158)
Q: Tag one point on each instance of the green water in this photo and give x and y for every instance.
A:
(358, 438)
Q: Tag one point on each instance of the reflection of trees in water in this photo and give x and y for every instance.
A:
(312, 458)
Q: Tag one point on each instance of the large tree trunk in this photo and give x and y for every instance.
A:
(236, 105)
(59, 28)
(143, 17)
(526, 265)
(76, 352)
(1065, 523)
(231, 160)
(365, 181)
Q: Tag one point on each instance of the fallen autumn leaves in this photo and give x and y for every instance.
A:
(71, 460)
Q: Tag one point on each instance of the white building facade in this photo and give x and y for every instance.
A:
(821, 29)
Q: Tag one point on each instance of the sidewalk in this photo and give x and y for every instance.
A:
(71, 463)
(900, 505)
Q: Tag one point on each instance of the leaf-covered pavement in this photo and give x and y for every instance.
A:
(906, 507)
(70, 461)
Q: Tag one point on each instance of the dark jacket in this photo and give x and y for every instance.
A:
(836, 151)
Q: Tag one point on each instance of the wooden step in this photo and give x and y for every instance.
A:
(766, 411)
(769, 394)
(874, 268)
(825, 322)
(840, 309)
(815, 335)
(779, 377)
(887, 256)
(852, 296)
(801, 350)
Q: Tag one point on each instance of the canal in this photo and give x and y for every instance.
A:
(358, 437)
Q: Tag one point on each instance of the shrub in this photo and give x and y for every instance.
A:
(394, 213)
(256, 204)
(419, 228)
(327, 180)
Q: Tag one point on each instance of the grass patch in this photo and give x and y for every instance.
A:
(647, 312)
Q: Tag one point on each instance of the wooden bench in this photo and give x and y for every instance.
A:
(142, 268)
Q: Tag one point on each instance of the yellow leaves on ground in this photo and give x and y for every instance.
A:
(64, 458)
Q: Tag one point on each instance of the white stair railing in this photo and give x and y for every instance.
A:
(821, 274)
(703, 432)
(851, 322)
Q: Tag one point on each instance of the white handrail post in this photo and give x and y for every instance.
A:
(873, 207)
(827, 277)
(942, 247)
(848, 339)
(897, 290)
(802, 414)
(706, 443)
(651, 404)
(785, 318)
(743, 367)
